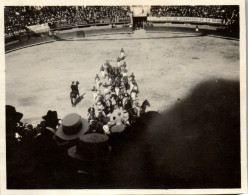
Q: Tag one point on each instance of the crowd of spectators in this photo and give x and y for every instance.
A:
(218, 12)
(19, 17)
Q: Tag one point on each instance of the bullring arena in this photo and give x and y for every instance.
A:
(187, 65)
(167, 67)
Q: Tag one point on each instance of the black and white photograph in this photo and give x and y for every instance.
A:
(124, 96)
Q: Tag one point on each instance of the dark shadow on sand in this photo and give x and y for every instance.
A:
(196, 144)
(79, 98)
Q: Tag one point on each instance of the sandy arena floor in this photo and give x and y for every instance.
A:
(38, 78)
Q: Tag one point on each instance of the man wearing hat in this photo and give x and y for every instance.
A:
(91, 157)
(14, 149)
(72, 127)
(46, 150)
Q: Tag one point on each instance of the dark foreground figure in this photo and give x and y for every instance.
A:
(196, 144)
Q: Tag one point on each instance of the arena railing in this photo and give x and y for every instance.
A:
(28, 39)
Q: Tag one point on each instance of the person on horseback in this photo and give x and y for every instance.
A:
(136, 108)
(99, 97)
(134, 91)
(102, 70)
(124, 72)
(72, 85)
(106, 88)
(125, 98)
(132, 76)
(74, 93)
(126, 118)
(91, 113)
(97, 79)
(122, 54)
(118, 62)
(76, 88)
(113, 99)
(94, 90)
(125, 80)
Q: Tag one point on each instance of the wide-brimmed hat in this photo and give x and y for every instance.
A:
(72, 127)
(91, 147)
(11, 113)
(51, 116)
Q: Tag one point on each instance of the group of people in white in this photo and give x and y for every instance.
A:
(115, 96)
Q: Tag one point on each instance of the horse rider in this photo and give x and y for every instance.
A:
(118, 62)
(132, 76)
(103, 72)
(122, 54)
(125, 80)
(94, 90)
(76, 88)
(111, 78)
(136, 108)
(106, 88)
(72, 85)
(117, 89)
(113, 99)
(74, 92)
(124, 72)
(134, 91)
(126, 117)
(91, 113)
(99, 97)
(97, 79)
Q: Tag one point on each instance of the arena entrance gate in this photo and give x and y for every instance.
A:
(139, 22)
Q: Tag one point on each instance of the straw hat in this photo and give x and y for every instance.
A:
(72, 127)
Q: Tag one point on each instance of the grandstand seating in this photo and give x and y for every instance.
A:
(19, 17)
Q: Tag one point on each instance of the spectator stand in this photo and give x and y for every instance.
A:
(60, 18)
(222, 19)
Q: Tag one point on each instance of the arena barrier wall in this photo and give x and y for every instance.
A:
(180, 28)
(88, 32)
(27, 42)
(199, 29)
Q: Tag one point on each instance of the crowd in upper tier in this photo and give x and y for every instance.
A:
(221, 12)
(18, 17)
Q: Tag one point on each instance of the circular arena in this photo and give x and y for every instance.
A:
(44, 74)
(188, 71)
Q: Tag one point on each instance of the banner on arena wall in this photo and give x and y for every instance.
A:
(39, 28)
(184, 19)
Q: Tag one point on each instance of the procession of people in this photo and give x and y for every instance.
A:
(115, 98)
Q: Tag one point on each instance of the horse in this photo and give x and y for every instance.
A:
(143, 107)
